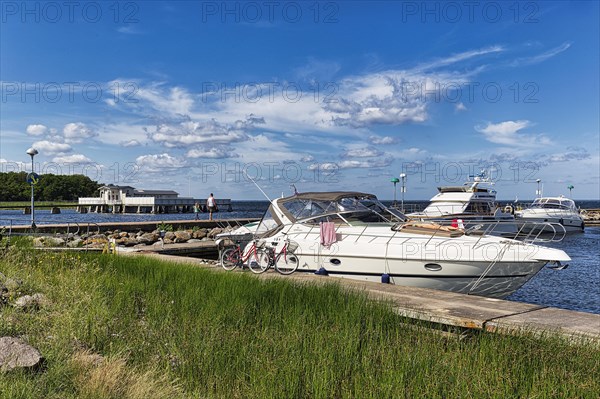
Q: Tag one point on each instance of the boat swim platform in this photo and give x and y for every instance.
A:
(450, 309)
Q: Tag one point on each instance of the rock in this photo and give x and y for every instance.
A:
(169, 235)
(182, 236)
(38, 242)
(199, 234)
(75, 243)
(213, 233)
(126, 241)
(97, 239)
(16, 353)
(31, 302)
(12, 284)
(123, 234)
(148, 238)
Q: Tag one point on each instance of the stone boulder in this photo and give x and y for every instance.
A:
(199, 234)
(48, 242)
(169, 235)
(148, 238)
(12, 284)
(31, 302)
(77, 242)
(96, 239)
(16, 353)
(213, 233)
(182, 236)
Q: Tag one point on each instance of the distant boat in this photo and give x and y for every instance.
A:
(470, 205)
(553, 210)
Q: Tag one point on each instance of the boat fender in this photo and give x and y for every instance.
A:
(322, 272)
(385, 278)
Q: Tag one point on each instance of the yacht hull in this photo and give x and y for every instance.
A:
(542, 223)
(469, 266)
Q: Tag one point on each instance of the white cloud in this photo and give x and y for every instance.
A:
(507, 133)
(367, 152)
(536, 59)
(460, 107)
(352, 164)
(129, 143)
(36, 130)
(76, 132)
(186, 133)
(378, 140)
(158, 162)
(213, 153)
(72, 159)
(50, 147)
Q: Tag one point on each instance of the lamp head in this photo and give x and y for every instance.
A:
(402, 175)
(32, 151)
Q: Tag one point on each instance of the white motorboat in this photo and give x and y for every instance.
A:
(351, 234)
(556, 210)
(473, 203)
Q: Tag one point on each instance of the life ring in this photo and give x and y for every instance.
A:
(509, 209)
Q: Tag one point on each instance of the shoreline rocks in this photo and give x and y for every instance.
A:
(127, 239)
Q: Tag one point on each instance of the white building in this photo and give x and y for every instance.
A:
(126, 199)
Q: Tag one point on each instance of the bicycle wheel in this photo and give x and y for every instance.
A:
(259, 261)
(266, 258)
(287, 262)
(230, 258)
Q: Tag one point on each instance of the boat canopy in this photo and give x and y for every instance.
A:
(554, 203)
(338, 207)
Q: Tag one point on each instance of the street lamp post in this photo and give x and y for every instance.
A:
(403, 190)
(538, 192)
(394, 180)
(32, 152)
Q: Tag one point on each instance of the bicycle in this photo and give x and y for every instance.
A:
(236, 257)
(285, 262)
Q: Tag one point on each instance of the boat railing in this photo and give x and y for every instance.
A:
(11, 229)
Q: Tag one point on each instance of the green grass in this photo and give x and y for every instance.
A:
(38, 204)
(178, 331)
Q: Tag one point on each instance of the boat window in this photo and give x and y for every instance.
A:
(295, 207)
(267, 223)
(479, 208)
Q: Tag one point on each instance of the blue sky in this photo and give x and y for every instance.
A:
(194, 96)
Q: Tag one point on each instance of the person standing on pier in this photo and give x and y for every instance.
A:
(196, 210)
(211, 206)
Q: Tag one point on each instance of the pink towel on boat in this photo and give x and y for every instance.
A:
(328, 236)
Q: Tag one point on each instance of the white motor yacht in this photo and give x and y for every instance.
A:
(473, 203)
(555, 210)
(365, 240)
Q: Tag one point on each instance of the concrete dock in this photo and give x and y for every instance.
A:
(452, 309)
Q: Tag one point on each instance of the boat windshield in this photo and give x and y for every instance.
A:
(553, 203)
(365, 209)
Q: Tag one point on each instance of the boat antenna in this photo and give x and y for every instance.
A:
(256, 184)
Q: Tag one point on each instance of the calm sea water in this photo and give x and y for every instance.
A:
(576, 288)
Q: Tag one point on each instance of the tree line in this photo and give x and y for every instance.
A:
(14, 187)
